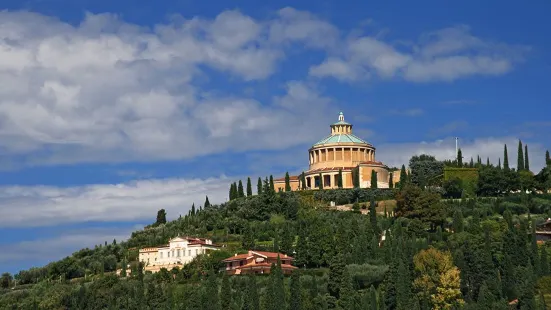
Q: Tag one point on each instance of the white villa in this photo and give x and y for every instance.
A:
(179, 251)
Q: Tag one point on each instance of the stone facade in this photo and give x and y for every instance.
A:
(341, 150)
(179, 251)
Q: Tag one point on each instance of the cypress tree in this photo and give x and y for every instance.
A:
(373, 214)
(458, 224)
(266, 189)
(253, 293)
(403, 177)
(272, 187)
(391, 180)
(320, 185)
(207, 202)
(459, 158)
(295, 302)
(259, 186)
(123, 268)
(339, 181)
(212, 292)
(478, 160)
(544, 262)
(520, 159)
(193, 209)
(287, 182)
(225, 292)
(373, 179)
(303, 180)
(547, 158)
(488, 161)
(526, 160)
(499, 163)
(471, 164)
(336, 275)
(240, 192)
(249, 187)
(505, 158)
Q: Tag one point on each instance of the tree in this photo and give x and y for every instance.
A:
(303, 181)
(247, 238)
(459, 158)
(547, 158)
(212, 292)
(161, 217)
(336, 275)
(193, 209)
(526, 160)
(437, 279)
(259, 186)
(373, 214)
(453, 188)
(373, 179)
(320, 184)
(240, 192)
(414, 203)
(520, 158)
(207, 202)
(251, 298)
(249, 187)
(339, 181)
(505, 158)
(272, 186)
(225, 292)
(425, 170)
(233, 191)
(287, 182)
(403, 176)
(391, 180)
(123, 268)
(5, 280)
(295, 301)
(458, 224)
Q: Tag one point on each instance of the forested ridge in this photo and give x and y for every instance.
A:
(477, 251)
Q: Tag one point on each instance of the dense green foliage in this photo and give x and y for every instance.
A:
(477, 253)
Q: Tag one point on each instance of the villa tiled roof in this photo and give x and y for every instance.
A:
(265, 265)
(341, 138)
(260, 253)
(237, 257)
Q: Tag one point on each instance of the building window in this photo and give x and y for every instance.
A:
(178, 253)
(189, 252)
(161, 254)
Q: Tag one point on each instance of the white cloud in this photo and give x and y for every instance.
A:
(134, 201)
(106, 90)
(443, 55)
(396, 154)
(55, 248)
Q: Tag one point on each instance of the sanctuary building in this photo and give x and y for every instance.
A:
(341, 151)
(179, 251)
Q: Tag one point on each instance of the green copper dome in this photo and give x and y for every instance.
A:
(341, 134)
(340, 138)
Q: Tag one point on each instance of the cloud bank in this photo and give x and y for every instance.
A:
(110, 91)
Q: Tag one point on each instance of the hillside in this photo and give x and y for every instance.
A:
(486, 242)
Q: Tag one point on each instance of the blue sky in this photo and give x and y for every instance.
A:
(111, 110)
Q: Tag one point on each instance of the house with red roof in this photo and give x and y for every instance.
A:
(257, 262)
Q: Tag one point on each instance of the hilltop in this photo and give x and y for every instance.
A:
(484, 252)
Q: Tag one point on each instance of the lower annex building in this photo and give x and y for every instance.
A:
(341, 150)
